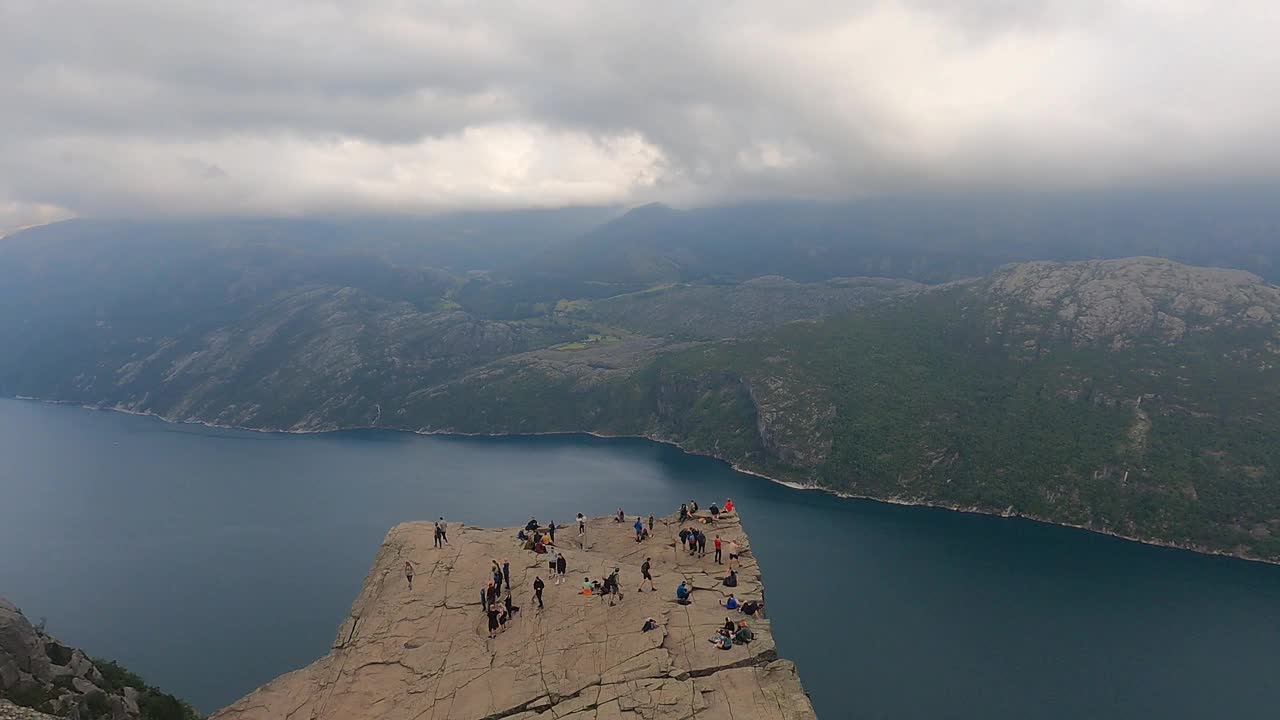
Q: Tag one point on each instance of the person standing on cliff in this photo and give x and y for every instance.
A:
(538, 585)
(582, 525)
(650, 523)
(639, 526)
(645, 575)
(717, 546)
(444, 530)
(408, 574)
(702, 544)
(439, 534)
(551, 531)
(562, 566)
(551, 563)
(506, 573)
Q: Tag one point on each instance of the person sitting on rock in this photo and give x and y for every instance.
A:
(683, 593)
(532, 525)
(715, 512)
(723, 639)
(693, 508)
(649, 624)
(730, 580)
(728, 506)
(743, 634)
(684, 513)
(730, 603)
(751, 607)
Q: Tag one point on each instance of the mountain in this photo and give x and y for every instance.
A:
(928, 239)
(1131, 396)
(1136, 397)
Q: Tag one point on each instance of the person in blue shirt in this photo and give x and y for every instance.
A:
(731, 603)
(682, 593)
(639, 526)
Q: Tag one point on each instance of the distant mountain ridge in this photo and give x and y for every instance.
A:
(1134, 396)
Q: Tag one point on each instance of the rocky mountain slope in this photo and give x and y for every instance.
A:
(1132, 396)
(425, 651)
(1137, 397)
(40, 673)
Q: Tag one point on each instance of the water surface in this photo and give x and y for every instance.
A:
(211, 561)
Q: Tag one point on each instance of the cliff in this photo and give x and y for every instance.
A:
(426, 652)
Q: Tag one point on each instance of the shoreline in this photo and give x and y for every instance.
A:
(791, 484)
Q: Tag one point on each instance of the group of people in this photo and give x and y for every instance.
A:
(498, 605)
(496, 596)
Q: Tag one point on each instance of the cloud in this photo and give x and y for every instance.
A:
(142, 106)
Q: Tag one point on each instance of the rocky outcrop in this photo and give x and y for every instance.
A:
(9, 711)
(426, 653)
(39, 671)
(1113, 302)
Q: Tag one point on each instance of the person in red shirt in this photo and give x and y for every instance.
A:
(728, 505)
(717, 544)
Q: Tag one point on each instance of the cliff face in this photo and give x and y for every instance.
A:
(425, 652)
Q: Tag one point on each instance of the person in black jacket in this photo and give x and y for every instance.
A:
(538, 585)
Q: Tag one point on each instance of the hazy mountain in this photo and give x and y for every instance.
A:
(1132, 396)
(928, 239)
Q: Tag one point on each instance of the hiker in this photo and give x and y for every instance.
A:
(717, 547)
(532, 525)
(551, 563)
(683, 593)
(511, 609)
(408, 573)
(715, 512)
(561, 566)
(733, 552)
(484, 598)
(538, 585)
(751, 607)
(582, 525)
(620, 517)
(611, 587)
(702, 544)
(730, 580)
(639, 526)
(684, 536)
(522, 537)
(439, 533)
(693, 541)
(723, 639)
(730, 603)
(551, 531)
(650, 523)
(506, 573)
(684, 512)
(645, 569)
(587, 586)
(728, 506)
(444, 530)
(649, 624)
(693, 507)
(492, 612)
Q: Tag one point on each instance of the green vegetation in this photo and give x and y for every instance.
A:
(153, 703)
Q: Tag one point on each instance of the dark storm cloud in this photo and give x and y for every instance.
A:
(130, 106)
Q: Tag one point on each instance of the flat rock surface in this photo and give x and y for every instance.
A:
(425, 653)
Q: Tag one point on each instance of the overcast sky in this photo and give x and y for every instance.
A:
(270, 106)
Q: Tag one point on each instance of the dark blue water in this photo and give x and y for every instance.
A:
(210, 561)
